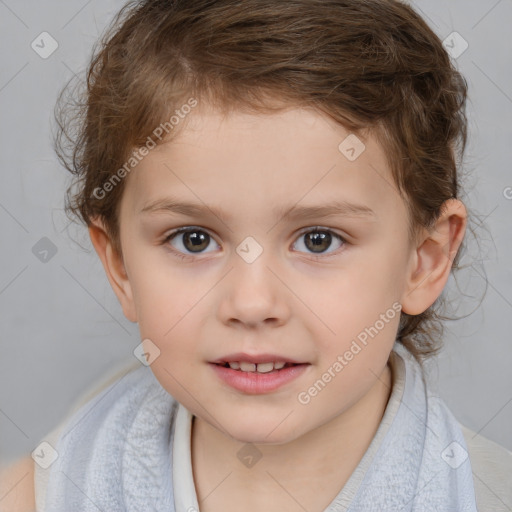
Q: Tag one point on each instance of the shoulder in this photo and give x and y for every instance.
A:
(17, 486)
(40, 475)
(492, 472)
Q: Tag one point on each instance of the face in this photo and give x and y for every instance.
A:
(267, 270)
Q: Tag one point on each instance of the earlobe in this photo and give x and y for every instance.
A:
(432, 260)
(114, 268)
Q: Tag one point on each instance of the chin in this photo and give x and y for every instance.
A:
(261, 439)
(261, 431)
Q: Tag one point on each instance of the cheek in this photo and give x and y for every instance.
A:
(360, 305)
(378, 275)
(334, 391)
(164, 296)
(171, 309)
(170, 320)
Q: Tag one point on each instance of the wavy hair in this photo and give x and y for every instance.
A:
(374, 66)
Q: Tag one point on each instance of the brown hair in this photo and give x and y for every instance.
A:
(368, 64)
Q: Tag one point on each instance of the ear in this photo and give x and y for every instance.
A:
(432, 259)
(114, 268)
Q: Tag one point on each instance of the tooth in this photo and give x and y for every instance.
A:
(234, 365)
(278, 366)
(265, 367)
(247, 367)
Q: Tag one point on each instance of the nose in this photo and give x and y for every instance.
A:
(253, 295)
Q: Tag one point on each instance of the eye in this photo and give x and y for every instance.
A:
(319, 239)
(190, 240)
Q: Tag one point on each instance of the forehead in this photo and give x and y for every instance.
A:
(254, 163)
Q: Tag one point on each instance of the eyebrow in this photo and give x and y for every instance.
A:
(335, 208)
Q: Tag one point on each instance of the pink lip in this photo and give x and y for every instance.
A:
(255, 358)
(255, 383)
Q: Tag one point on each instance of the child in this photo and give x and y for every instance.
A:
(272, 188)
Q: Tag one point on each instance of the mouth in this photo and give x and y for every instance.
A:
(258, 375)
(266, 367)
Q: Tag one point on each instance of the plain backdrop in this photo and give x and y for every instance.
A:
(61, 326)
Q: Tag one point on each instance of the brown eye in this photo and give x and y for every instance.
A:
(195, 241)
(319, 240)
(189, 240)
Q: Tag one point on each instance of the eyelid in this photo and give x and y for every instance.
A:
(320, 228)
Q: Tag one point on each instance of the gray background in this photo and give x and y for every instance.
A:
(62, 328)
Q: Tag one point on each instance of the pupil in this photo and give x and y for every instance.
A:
(317, 238)
(198, 239)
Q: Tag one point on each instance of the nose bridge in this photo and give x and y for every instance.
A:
(253, 294)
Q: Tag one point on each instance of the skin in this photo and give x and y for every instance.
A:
(17, 486)
(290, 301)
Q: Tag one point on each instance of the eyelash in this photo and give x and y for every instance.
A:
(183, 256)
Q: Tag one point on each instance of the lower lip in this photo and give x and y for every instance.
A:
(255, 383)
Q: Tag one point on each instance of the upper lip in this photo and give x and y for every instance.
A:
(255, 358)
